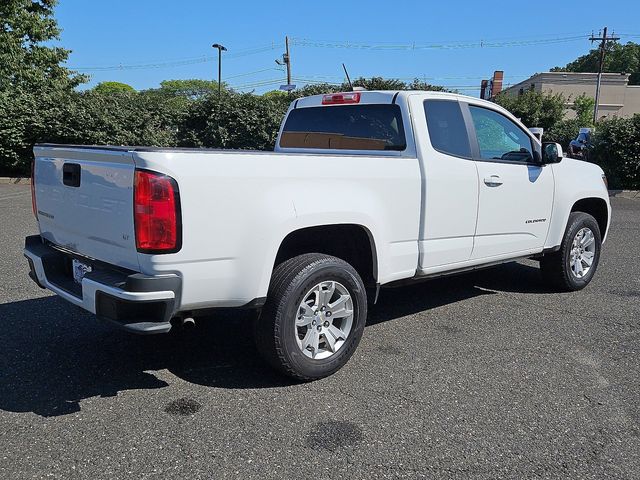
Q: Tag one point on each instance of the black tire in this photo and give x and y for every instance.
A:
(275, 330)
(556, 266)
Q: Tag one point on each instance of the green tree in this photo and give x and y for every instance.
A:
(192, 88)
(418, 84)
(34, 82)
(563, 132)
(379, 83)
(373, 83)
(317, 89)
(113, 87)
(275, 94)
(619, 58)
(535, 109)
(27, 59)
(583, 105)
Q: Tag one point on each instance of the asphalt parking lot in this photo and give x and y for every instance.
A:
(487, 375)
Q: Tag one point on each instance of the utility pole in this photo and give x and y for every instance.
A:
(286, 61)
(221, 49)
(603, 48)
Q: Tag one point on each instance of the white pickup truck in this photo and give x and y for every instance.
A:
(364, 189)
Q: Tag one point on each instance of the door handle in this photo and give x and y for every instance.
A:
(493, 180)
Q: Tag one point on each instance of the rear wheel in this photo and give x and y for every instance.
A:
(574, 265)
(314, 316)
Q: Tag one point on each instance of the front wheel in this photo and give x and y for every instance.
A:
(573, 266)
(314, 316)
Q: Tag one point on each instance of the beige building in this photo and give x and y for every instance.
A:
(617, 97)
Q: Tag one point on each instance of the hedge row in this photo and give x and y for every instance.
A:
(616, 148)
(132, 118)
(233, 120)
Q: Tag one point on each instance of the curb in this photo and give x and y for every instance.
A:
(632, 194)
(15, 181)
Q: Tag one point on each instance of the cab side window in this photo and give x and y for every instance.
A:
(447, 130)
(499, 138)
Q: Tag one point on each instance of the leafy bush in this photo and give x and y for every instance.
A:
(27, 117)
(14, 141)
(117, 118)
(616, 148)
(86, 118)
(233, 121)
(563, 132)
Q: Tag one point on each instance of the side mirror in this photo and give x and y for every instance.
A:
(551, 153)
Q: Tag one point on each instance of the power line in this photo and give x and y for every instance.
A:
(304, 42)
(178, 62)
(254, 51)
(247, 74)
(144, 66)
(261, 83)
(580, 33)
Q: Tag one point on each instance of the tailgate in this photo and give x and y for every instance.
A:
(84, 199)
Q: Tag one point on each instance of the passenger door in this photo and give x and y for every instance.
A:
(515, 191)
(449, 184)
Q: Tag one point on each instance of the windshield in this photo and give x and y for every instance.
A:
(345, 127)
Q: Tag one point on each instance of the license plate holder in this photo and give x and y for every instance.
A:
(79, 270)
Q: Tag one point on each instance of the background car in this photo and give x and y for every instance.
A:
(581, 145)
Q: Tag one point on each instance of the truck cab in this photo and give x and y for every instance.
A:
(475, 159)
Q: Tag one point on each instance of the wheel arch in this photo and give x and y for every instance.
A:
(353, 243)
(597, 208)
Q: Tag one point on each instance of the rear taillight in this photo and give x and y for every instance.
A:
(33, 189)
(340, 98)
(157, 213)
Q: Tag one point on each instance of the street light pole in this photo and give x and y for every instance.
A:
(221, 49)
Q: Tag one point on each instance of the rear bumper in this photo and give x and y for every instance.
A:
(138, 303)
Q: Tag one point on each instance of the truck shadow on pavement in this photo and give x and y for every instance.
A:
(53, 355)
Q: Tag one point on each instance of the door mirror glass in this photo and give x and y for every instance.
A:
(551, 152)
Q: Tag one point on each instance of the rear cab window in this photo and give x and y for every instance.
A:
(367, 127)
(447, 129)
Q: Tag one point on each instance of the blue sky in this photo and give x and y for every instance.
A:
(436, 41)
